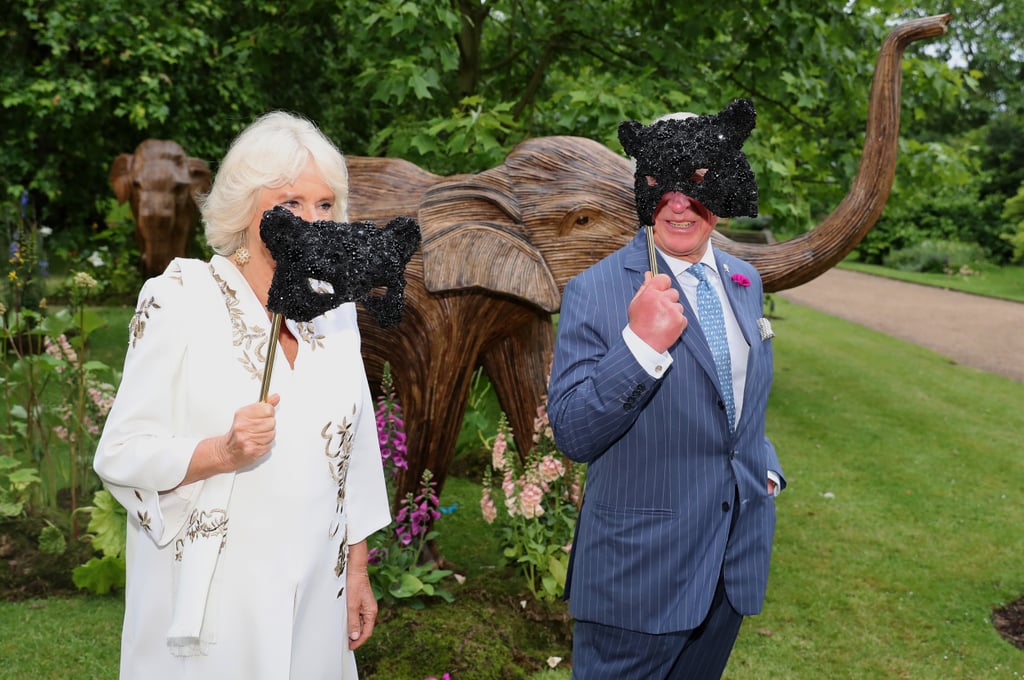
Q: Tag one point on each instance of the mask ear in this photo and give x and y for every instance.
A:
(630, 137)
(739, 118)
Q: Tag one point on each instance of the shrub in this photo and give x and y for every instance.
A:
(937, 256)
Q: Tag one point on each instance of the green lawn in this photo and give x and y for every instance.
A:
(1006, 283)
(898, 534)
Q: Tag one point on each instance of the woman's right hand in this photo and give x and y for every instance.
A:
(251, 435)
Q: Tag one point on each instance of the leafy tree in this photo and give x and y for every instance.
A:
(450, 85)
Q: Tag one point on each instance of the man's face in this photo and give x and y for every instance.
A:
(682, 226)
(700, 157)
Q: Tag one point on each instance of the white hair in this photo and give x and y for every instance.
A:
(270, 153)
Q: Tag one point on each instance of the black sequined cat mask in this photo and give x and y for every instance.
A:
(354, 258)
(671, 152)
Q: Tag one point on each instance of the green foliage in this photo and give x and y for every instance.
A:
(479, 423)
(961, 217)
(1013, 213)
(110, 255)
(51, 540)
(399, 569)
(53, 401)
(454, 86)
(936, 256)
(16, 481)
(541, 495)
(1006, 283)
(108, 526)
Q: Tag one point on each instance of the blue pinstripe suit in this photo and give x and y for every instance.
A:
(664, 471)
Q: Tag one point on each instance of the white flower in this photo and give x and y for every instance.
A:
(553, 661)
(45, 231)
(95, 260)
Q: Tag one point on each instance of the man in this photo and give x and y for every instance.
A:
(667, 406)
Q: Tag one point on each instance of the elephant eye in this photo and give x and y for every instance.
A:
(582, 220)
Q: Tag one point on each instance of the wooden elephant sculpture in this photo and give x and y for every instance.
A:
(160, 181)
(499, 247)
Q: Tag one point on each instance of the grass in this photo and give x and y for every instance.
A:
(898, 534)
(1006, 283)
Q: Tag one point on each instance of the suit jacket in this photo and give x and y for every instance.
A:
(656, 527)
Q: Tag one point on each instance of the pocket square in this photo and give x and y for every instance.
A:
(764, 327)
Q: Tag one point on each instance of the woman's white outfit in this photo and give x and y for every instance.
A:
(240, 576)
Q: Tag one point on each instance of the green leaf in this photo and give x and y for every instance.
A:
(51, 540)
(108, 523)
(100, 574)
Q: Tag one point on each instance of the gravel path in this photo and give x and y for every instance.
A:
(975, 331)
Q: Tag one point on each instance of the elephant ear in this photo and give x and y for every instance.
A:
(121, 176)
(200, 175)
(473, 238)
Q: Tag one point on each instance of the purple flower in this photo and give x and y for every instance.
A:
(741, 280)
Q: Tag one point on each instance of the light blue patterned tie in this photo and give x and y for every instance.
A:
(712, 321)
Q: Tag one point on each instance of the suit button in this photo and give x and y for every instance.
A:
(721, 405)
(725, 506)
(732, 455)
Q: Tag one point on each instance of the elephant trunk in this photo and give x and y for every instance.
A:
(799, 260)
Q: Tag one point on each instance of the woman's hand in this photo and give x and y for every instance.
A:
(250, 438)
(362, 605)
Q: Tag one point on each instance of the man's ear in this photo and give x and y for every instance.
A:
(629, 137)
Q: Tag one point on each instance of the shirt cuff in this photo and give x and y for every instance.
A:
(772, 475)
(654, 362)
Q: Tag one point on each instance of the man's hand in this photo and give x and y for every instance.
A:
(655, 314)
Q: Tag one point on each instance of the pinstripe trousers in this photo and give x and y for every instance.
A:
(601, 652)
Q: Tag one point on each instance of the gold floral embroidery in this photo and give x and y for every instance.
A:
(206, 524)
(338, 444)
(144, 520)
(203, 524)
(307, 332)
(253, 341)
(137, 325)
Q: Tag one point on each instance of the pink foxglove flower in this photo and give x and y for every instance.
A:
(487, 508)
(530, 501)
(498, 451)
(741, 280)
(550, 468)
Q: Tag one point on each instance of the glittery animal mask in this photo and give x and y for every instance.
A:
(354, 258)
(671, 152)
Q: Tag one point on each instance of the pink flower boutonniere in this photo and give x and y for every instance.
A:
(741, 280)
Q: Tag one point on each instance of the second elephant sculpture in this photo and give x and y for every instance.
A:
(160, 182)
(499, 247)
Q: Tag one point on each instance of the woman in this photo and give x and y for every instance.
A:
(248, 521)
